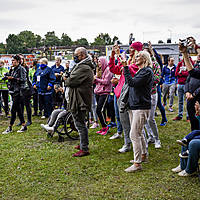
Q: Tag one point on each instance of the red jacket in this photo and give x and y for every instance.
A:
(181, 74)
(116, 69)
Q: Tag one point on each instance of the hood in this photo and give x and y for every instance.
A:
(104, 63)
(87, 61)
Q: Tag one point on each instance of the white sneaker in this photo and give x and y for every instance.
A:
(115, 136)
(43, 117)
(157, 144)
(184, 173)
(95, 125)
(177, 169)
(8, 130)
(133, 168)
(125, 148)
(44, 126)
(49, 129)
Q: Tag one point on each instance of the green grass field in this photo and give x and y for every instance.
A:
(33, 166)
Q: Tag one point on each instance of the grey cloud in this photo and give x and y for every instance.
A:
(10, 23)
(14, 5)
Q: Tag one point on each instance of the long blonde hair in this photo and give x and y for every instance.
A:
(147, 58)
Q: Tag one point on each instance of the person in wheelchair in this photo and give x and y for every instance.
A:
(53, 120)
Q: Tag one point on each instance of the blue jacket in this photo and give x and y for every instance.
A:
(58, 70)
(43, 78)
(168, 75)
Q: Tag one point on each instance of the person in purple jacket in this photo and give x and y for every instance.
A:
(102, 91)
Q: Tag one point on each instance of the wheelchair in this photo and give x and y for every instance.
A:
(65, 127)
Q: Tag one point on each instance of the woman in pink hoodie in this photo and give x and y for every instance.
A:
(102, 91)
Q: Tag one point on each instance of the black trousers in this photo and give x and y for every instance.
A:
(4, 94)
(16, 109)
(191, 112)
(101, 105)
(26, 101)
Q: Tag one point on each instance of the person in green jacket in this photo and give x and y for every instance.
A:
(3, 88)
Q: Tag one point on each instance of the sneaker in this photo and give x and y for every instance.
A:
(77, 147)
(157, 144)
(184, 173)
(49, 129)
(112, 125)
(177, 118)
(28, 123)
(81, 153)
(43, 117)
(23, 128)
(44, 126)
(182, 142)
(105, 131)
(163, 123)
(171, 109)
(115, 136)
(150, 140)
(177, 169)
(8, 130)
(95, 125)
(1, 114)
(100, 131)
(184, 154)
(125, 148)
(133, 168)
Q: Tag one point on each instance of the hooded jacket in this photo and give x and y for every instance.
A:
(103, 84)
(80, 84)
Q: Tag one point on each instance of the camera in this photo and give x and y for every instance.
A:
(184, 42)
(145, 45)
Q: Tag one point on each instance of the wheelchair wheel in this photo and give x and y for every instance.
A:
(70, 129)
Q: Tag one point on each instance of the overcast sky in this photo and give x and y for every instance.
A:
(146, 19)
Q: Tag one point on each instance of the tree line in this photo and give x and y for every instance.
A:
(25, 40)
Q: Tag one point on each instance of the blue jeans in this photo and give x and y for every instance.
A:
(190, 164)
(181, 100)
(193, 135)
(119, 125)
(160, 106)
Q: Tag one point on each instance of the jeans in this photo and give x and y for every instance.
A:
(181, 100)
(94, 113)
(119, 125)
(79, 121)
(160, 106)
(125, 122)
(193, 135)
(190, 164)
(171, 89)
(151, 125)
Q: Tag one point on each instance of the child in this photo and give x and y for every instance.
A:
(193, 135)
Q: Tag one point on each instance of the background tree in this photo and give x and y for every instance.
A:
(14, 44)
(2, 48)
(115, 38)
(82, 42)
(65, 40)
(102, 39)
(51, 39)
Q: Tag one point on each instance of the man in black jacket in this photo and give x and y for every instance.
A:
(80, 84)
(16, 80)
